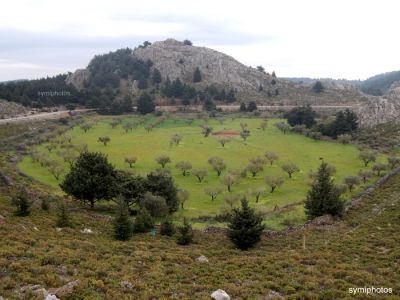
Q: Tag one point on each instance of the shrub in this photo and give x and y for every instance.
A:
(185, 233)
(21, 202)
(167, 227)
(44, 205)
(344, 138)
(155, 205)
(245, 227)
(143, 222)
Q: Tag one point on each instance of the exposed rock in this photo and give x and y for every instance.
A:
(220, 295)
(378, 110)
(58, 229)
(87, 231)
(78, 78)
(202, 259)
(126, 285)
(51, 297)
(33, 289)
(1, 298)
(65, 289)
(273, 295)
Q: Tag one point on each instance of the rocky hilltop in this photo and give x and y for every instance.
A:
(175, 59)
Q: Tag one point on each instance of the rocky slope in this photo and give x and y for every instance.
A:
(175, 59)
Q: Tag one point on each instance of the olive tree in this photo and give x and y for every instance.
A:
(217, 164)
(55, 169)
(200, 174)
(183, 196)
(104, 139)
(255, 168)
(245, 134)
(271, 157)
(206, 130)
(290, 168)
(365, 174)
(351, 181)
(229, 180)
(163, 160)
(274, 182)
(184, 166)
(367, 156)
(232, 199)
(378, 168)
(282, 126)
(224, 141)
(263, 125)
(176, 139)
(257, 193)
(131, 161)
(393, 162)
(85, 127)
(213, 192)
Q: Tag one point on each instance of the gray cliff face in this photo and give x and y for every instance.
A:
(177, 60)
(379, 110)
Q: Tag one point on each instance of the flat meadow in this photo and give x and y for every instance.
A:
(281, 208)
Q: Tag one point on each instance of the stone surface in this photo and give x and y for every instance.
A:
(87, 231)
(202, 259)
(126, 285)
(220, 295)
(273, 295)
(65, 289)
(51, 297)
(34, 289)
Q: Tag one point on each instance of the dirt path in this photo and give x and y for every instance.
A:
(41, 116)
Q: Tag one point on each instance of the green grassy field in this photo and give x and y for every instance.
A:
(194, 147)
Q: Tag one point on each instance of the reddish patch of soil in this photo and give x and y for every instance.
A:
(227, 133)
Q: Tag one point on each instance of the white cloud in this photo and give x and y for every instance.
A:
(340, 39)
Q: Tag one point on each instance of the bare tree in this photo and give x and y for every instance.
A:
(69, 156)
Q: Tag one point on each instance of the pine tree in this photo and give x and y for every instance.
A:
(63, 218)
(122, 223)
(167, 227)
(245, 226)
(156, 76)
(143, 222)
(197, 75)
(324, 196)
(185, 233)
(145, 104)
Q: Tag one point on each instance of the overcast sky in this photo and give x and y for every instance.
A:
(299, 38)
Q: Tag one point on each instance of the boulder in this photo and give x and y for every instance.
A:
(87, 231)
(273, 295)
(220, 295)
(65, 289)
(33, 289)
(51, 297)
(202, 259)
(126, 285)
